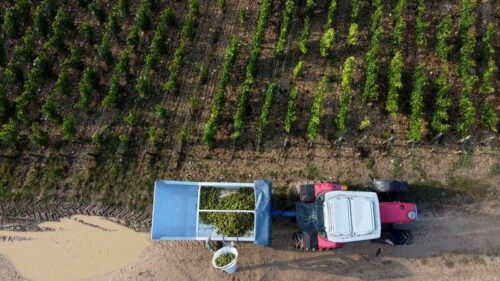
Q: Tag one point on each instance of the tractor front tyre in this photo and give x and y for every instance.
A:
(396, 237)
(305, 240)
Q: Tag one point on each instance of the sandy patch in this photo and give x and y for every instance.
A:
(75, 248)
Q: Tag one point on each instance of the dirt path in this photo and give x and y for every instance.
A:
(450, 245)
(453, 241)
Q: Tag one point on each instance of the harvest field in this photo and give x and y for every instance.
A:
(100, 98)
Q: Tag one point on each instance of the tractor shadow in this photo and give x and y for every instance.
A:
(330, 263)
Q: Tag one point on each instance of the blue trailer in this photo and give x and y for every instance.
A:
(176, 212)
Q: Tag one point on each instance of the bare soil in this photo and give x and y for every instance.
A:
(459, 243)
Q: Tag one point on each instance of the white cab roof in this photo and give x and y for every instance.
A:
(351, 216)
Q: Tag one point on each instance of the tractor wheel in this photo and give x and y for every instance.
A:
(388, 186)
(397, 237)
(304, 241)
(298, 241)
(293, 192)
(389, 190)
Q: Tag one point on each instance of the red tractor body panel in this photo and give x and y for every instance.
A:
(397, 212)
(323, 243)
(325, 187)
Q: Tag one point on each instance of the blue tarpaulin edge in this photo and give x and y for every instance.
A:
(263, 193)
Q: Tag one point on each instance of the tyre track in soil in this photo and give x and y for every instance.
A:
(15, 216)
(219, 48)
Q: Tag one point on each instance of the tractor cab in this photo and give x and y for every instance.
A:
(351, 216)
(329, 216)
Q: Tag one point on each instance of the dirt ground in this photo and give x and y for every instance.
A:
(450, 245)
(454, 243)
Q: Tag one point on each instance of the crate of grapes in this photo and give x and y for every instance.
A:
(219, 211)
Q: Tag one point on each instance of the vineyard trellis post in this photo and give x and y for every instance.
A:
(487, 141)
(388, 144)
(337, 145)
(467, 144)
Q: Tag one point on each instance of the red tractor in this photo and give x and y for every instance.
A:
(328, 215)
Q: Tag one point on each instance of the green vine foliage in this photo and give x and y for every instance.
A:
(40, 20)
(395, 83)
(298, 69)
(489, 115)
(421, 24)
(112, 25)
(49, 109)
(466, 63)
(440, 116)
(328, 37)
(466, 107)
(112, 99)
(69, 129)
(332, 8)
(40, 70)
(316, 109)
(291, 113)
(8, 132)
(38, 136)
(352, 37)
(326, 42)
(143, 16)
(399, 25)
(87, 85)
(173, 69)
(487, 86)
(156, 49)
(417, 103)
(341, 118)
(310, 4)
(255, 51)
(210, 129)
(443, 37)
(97, 10)
(356, 8)
(61, 23)
(104, 49)
(285, 27)
(62, 87)
(466, 67)
(304, 36)
(467, 16)
(266, 108)
(172, 84)
(377, 15)
(371, 87)
(14, 16)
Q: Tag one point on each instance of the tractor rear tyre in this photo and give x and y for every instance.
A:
(397, 237)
